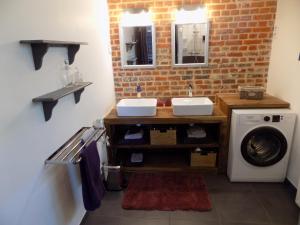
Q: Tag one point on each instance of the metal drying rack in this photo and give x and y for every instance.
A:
(70, 151)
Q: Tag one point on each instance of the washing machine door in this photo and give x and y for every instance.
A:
(264, 146)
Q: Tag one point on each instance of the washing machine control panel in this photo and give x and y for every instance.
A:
(273, 118)
(252, 119)
(276, 118)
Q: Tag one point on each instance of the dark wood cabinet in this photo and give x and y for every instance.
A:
(166, 157)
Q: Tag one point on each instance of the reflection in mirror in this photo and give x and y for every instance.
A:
(190, 44)
(137, 45)
(190, 36)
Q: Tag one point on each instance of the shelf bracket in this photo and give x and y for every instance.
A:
(77, 95)
(38, 52)
(72, 49)
(48, 107)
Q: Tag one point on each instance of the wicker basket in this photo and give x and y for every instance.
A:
(251, 92)
(198, 159)
(163, 137)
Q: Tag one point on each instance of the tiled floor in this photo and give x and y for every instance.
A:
(233, 204)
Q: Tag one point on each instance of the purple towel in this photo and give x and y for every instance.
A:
(93, 188)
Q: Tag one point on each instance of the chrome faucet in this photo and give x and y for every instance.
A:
(190, 90)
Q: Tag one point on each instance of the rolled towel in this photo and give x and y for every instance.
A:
(134, 135)
(98, 124)
(196, 132)
(87, 134)
(136, 157)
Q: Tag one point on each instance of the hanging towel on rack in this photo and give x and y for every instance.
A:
(93, 189)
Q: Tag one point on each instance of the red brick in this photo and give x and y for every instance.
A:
(240, 43)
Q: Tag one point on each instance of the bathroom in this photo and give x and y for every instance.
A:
(249, 43)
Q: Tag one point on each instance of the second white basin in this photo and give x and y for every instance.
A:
(137, 107)
(192, 106)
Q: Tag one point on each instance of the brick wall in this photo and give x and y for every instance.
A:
(239, 48)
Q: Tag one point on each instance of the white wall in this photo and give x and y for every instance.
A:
(31, 193)
(284, 72)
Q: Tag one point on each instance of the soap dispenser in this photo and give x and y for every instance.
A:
(67, 74)
(139, 91)
(190, 87)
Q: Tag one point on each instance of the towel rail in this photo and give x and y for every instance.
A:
(69, 152)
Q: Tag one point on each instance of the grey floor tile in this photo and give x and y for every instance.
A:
(113, 197)
(262, 187)
(240, 207)
(280, 206)
(233, 204)
(155, 214)
(102, 220)
(192, 222)
(242, 223)
(194, 216)
(132, 213)
(136, 221)
(109, 210)
(220, 183)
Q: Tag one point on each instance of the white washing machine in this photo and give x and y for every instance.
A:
(260, 143)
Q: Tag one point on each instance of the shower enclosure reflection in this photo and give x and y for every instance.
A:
(190, 36)
(190, 44)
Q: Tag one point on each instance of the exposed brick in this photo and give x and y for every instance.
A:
(239, 49)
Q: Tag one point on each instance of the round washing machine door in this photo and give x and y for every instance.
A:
(264, 146)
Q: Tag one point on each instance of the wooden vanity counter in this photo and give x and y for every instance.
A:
(227, 102)
(165, 116)
(220, 119)
(160, 157)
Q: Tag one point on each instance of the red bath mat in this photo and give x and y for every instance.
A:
(167, 191)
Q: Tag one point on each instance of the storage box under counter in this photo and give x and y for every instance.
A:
(163, 136)
(203, 159)
(167, 151)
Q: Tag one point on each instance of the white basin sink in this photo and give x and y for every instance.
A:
(192, 106)
(137, 107)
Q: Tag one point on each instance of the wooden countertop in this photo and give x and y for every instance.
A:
(165, 116)
(234, 101)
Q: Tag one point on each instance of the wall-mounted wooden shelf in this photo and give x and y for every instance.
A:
(40, 47)
(50, 100)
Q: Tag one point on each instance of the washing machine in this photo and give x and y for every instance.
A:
(260, 144)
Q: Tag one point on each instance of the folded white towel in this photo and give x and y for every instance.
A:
(136, 158)
(87, 134)
(134, 136)
(98, 123)
(196, 132)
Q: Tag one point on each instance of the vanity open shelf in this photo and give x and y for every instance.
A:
(168, 160)
(173, 156)
(50, 100)
(40, 47)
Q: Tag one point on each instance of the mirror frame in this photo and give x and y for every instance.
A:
(205, 64)
(123, 47)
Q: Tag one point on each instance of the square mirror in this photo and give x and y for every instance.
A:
(190, 38)
(137, 49)
(137, 39)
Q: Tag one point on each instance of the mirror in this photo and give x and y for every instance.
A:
(137, 48)
(190, 44)
(190, 37)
